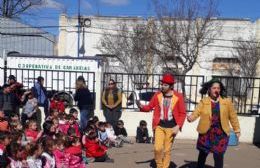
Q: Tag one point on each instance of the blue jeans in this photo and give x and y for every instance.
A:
(84, 117)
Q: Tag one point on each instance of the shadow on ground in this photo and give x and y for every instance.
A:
(188, 164)
(153, 164)
(192, 164)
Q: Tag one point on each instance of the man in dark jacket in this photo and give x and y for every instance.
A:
(9, 102)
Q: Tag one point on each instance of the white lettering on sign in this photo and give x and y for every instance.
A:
(54, 67)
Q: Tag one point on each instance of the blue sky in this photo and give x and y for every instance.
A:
(48, 14)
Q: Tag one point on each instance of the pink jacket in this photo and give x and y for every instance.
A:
(75, 161)
(76, 127)
(63, 127)
(74, 153)
(61, 159)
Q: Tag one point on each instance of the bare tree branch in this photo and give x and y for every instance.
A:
(248, 54)
(185, 26)
(14, 8)
(132, 48)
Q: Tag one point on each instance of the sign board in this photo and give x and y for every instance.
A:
(60, 73)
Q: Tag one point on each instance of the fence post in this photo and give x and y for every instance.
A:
(98, 91)
(5, 65)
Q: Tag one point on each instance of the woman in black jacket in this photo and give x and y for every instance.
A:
(85, 101)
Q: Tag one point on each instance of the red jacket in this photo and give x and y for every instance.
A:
(93, 149)
(64, 128)
(74, 150)
(32, 134)
(59, 105)
(179, 110)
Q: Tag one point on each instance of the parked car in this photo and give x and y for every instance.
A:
(144, 95)
(255, 110)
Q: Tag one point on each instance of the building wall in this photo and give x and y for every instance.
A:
(68, 36)
(222, 46)
(19, 37)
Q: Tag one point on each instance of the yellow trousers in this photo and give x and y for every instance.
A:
(162, 146)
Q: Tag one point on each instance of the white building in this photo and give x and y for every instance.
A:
(213, 59)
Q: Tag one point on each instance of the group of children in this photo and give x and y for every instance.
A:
(59, 142)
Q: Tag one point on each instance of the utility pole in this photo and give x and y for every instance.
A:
(5, 65)
(79, 26)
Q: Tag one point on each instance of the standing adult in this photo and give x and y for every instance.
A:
(215, 112)
(15, 86)
(9, 102)
(112, 103)
(17, 89)
(168, 117)
(40, 92)
(85, 101)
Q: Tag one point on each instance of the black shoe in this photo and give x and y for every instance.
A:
(109, 160)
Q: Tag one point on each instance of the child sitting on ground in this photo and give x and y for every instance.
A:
(30, 107)
(102, 135)
(73, 124)
(53, 114)
(57, 104)
(31, 133)
(75, 114)
(48, 159)
(15, 152)
(94, 149)
(120, 132)
(34, 156)
(49, 130)
(116, 141)
(142, 135)
(74, 152)
(19, 137)
(60, 159)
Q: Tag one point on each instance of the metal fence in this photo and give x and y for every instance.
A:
(53, 80)
(244, 92)
(143, 86)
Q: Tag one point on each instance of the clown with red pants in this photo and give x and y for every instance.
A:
(169, 114)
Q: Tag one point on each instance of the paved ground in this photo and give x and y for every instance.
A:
(184, 155)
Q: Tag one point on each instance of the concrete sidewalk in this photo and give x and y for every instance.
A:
(184, 155)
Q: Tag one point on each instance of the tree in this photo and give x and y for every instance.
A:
(185, 27)
(14, 8)
(131, 47)
(241, 85)
(248, 54)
